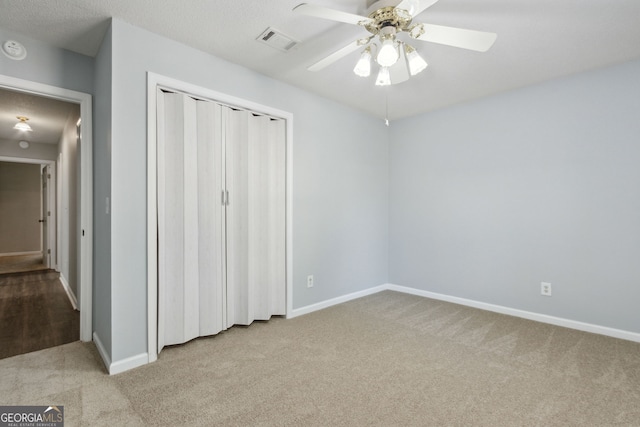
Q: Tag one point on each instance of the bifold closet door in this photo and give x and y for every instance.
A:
(255, 178)
(191, 291)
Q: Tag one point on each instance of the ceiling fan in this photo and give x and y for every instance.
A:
(387, 20)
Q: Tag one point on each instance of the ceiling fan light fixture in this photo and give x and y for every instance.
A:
(385, 21)
(416, 62)
(384, 78)
(363, 66)
(22, 124)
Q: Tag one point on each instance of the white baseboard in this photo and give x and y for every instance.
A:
(334, 301)
(543, 318)
(121, 365)
(70, 294)
(20, 253)
(128, 363)
(102, 351)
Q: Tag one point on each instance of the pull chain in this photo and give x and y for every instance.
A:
(386, 112)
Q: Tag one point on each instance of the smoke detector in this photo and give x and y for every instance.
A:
(14, 50)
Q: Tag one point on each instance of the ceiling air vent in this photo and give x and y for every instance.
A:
(277, 40)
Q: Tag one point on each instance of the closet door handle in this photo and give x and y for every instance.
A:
(227, 191)
(222, 197)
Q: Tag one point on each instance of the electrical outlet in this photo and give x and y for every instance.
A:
(309, 281)
(545, 289)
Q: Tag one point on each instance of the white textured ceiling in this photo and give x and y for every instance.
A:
(47, 117)
(537, 41)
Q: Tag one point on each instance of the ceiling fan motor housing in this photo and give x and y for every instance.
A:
(386, 17)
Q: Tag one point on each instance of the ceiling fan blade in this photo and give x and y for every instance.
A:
(331, 14)
(351, 47)
(415, 7)
(458, 37)
(399, 72)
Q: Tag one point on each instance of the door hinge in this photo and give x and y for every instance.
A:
(48, 213)
(49, 175)
(49, 251)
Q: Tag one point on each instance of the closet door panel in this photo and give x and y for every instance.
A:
(258, 187)
(256, 283)
(211, 242)
(175, 299)
(236, 148)
(171, 211)
(164, 132)
(266, 217)
(276, 214)
(191, 226)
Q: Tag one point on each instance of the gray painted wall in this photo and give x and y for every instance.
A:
(340, 194)
(37, 151)
(48, 65)
(20, 207)
(491, 198)
(68, 210)
(102, 190)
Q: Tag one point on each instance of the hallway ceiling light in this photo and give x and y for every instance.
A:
(22, 124)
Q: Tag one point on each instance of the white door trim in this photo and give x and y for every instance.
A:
(51, 216)
(86, 187)
(153, 82)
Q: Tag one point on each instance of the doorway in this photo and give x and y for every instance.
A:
(84, 227)
(28, 213)
(37, 305)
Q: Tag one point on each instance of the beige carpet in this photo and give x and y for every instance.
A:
(387, 360)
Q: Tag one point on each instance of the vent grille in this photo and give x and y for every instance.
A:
(277, 40)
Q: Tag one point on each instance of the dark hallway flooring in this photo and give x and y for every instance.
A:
(35, 311)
